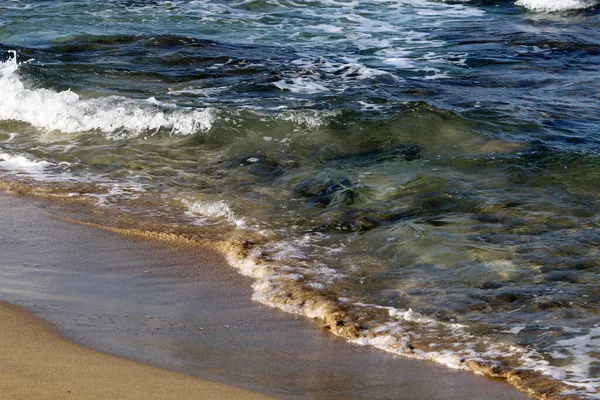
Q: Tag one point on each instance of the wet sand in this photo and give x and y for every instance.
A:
(38, 364)
(182, 308)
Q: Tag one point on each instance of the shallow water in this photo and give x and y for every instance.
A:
(422, 176)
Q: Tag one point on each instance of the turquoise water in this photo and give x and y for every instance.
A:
(421, 176)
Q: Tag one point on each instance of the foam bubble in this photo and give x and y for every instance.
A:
(114, 115)
(329, 28)
(209, 211)
(130, 190)
(23, 164)
(556, 5)
(320, 75)
(579, 351)
(310, 119)
(301, 85)
(354, 70)
(514, 330)
(205, 91)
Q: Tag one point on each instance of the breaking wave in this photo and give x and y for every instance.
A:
(556, 5)
(115, 116)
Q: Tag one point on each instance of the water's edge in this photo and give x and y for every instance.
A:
(177, 305)
(276, 292)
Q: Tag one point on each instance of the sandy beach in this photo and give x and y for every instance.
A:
(38, 364)
(172, 307)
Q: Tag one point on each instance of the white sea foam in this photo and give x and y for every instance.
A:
(393, 338)
(301, 85)
(282, 251)
(400, 62)
(47, 171)
(116, 191)
(23, 164)
(371, 106)
(205, 92)
(514, 330)
(115, 116)
(579, 353)
(355, 70)
(19, 7)
(329, 28)
(321, 75)
(557, 5)
(310, 119)
(209, 212)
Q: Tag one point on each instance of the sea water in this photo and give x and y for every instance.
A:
(421, 176)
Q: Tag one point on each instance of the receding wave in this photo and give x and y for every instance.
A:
(280, 284)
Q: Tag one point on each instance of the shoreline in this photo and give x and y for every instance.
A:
(184, 309)
(38, 363)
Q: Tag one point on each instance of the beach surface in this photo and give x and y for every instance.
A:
(178, 307)
(39, 364)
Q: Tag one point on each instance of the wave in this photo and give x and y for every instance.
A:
(556, 5)
(23, 164)
(209, 212)
(115, 116)
(284, 280)
(405, 332)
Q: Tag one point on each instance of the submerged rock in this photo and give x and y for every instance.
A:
(446, 202)
(340, 191)
(490, 285)
(308, 188)
(346, 220)
(256, 164)
(336, 192)
(549, 302)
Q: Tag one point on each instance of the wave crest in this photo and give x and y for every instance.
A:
(115, 116)
(556, 5)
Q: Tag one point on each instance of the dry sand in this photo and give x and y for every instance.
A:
(180, 308)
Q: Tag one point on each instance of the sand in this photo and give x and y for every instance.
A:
(38, 364)
(176, 307)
